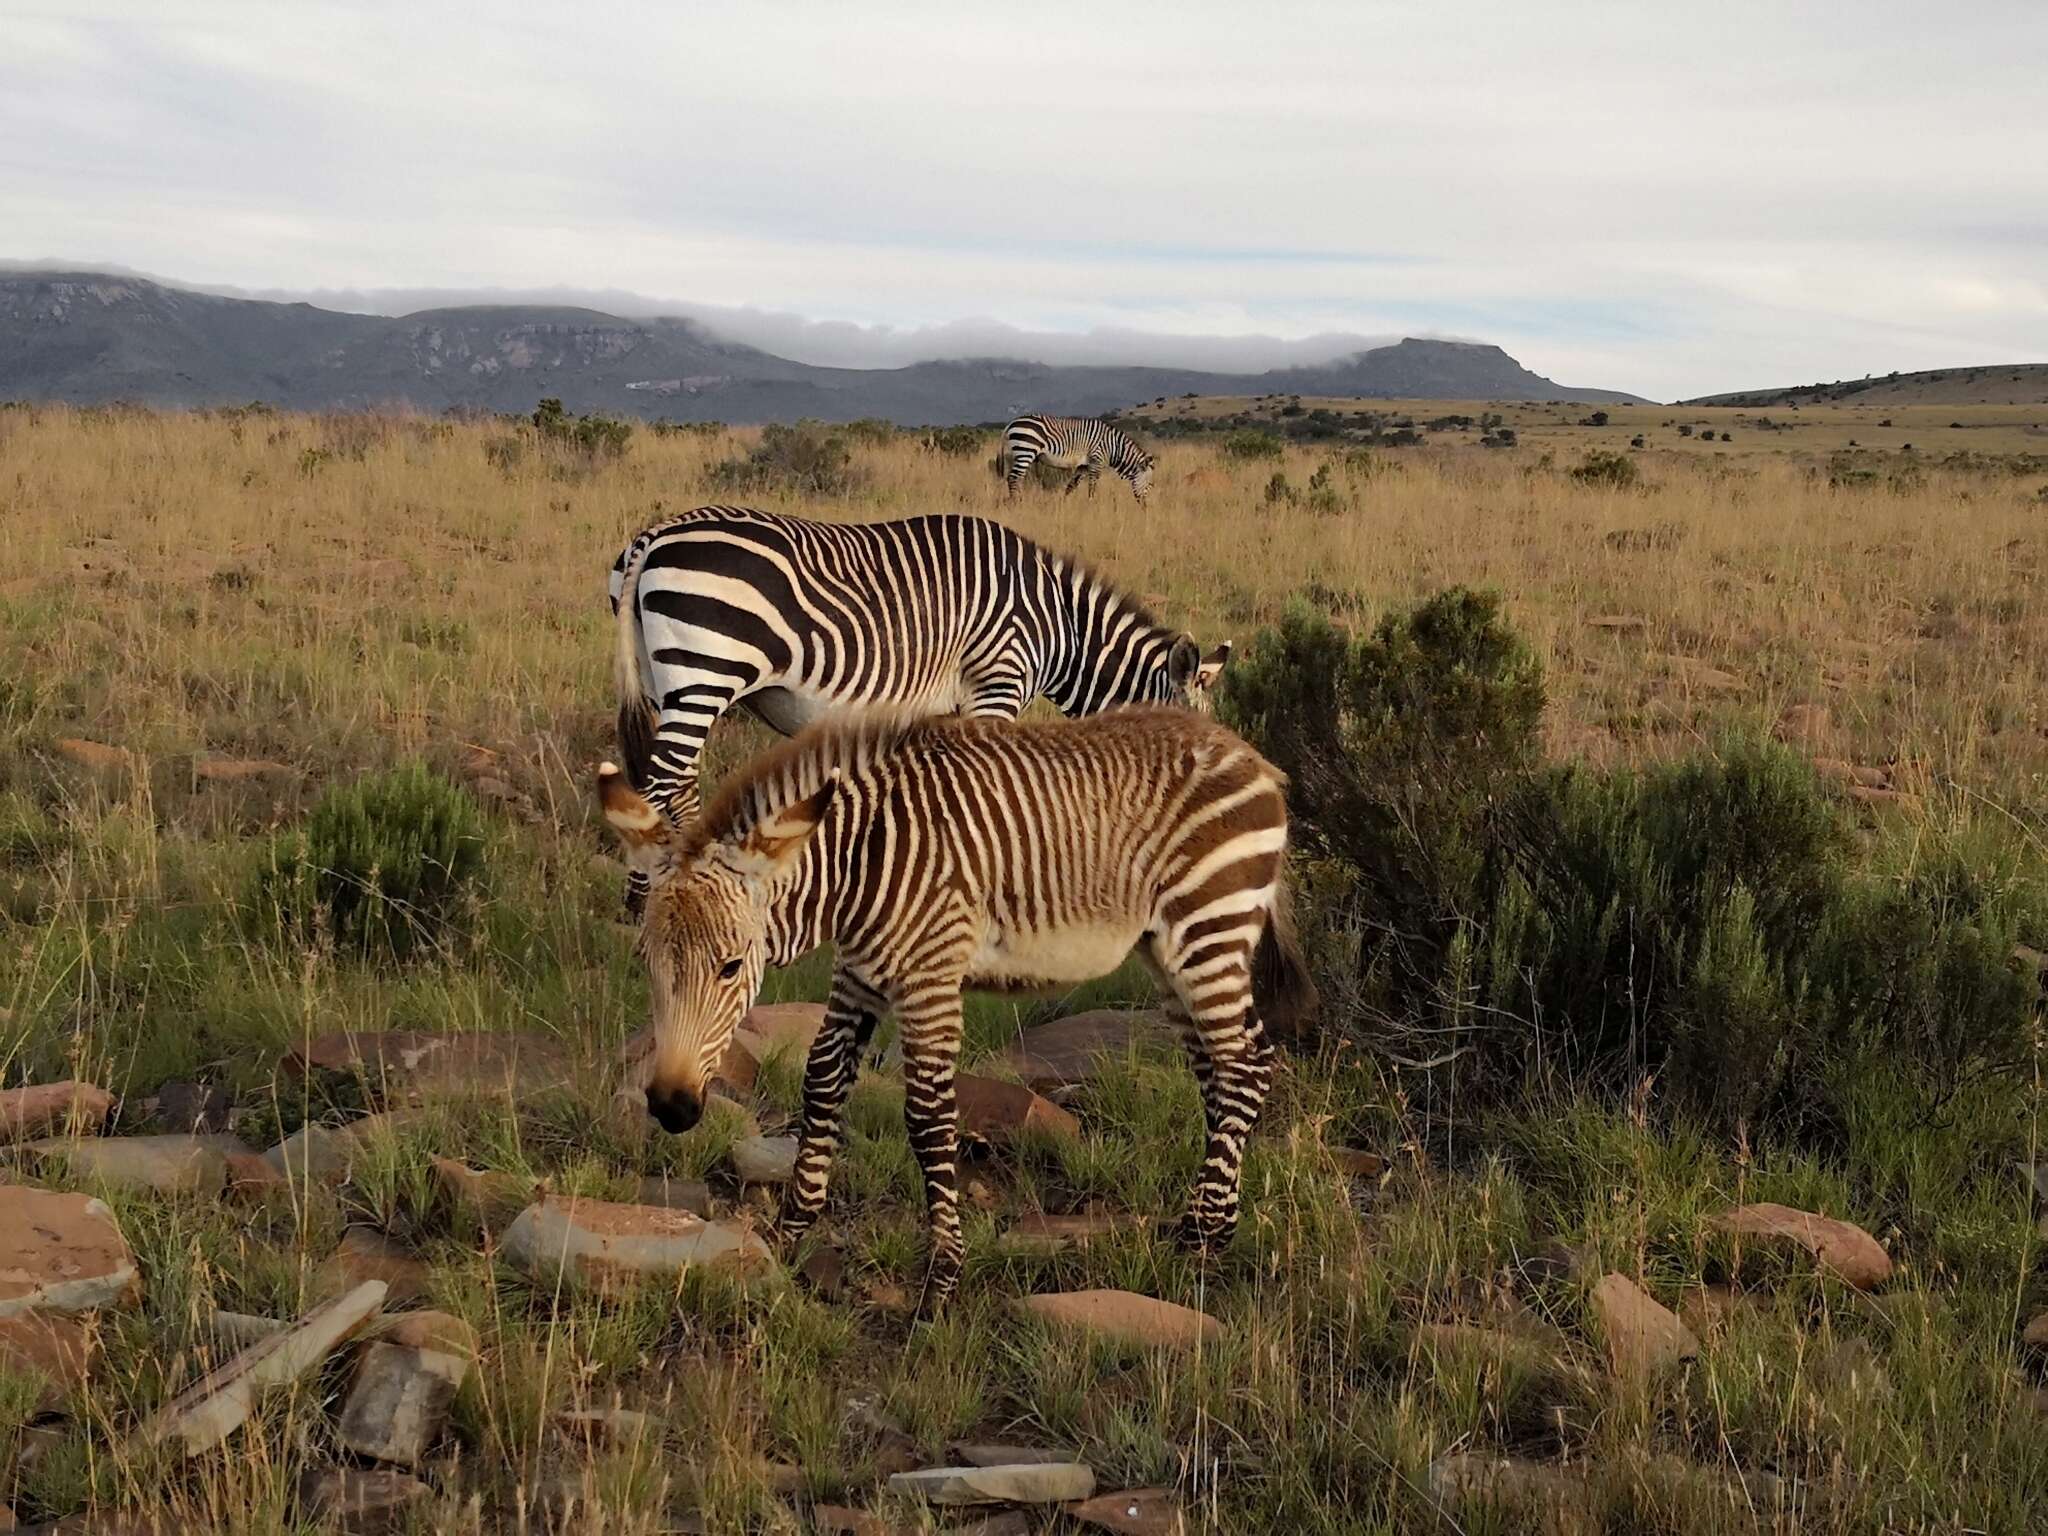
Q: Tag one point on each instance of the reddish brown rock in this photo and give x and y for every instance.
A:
(1068, 1052)
(2036, 1332)
(480, 1201)
(359, 1501)
(52, 1348)
(1134, 1512)
(1642, 1336)
(1041, 1236)
(1804, 723)
(61, 1252)
(442, 1331)
(405, 1064)
(997, 1112)
(367, 1254)
(1354, 1164)
(1839, 1246)
(780, 1028)
(96, 755)
(1124, 1316)
(46, 1109)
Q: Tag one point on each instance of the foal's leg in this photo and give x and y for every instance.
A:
(929, 1009)
(850, 1017)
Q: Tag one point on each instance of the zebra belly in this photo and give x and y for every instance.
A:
(785, 709)
(1008, 960)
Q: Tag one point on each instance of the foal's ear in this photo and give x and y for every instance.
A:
(1183, 661)
(1212, 666)
(771, 845)
(644, 834)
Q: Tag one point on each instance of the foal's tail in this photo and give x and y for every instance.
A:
(1282, 989)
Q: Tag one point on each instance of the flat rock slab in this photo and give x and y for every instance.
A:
(92, 754)
(327, 1154)
(481, 1200)
(1133, 1512)
(46, 1108)
(1070, 1051)
(367, 1254)
(1038, 1482)
(441, 1331)
(997, 1112)
(1839, 1246)
(1041, 1236)
(359, 1501)
(398, 1403)
(1125, 1317)
(764, 1159)
(409, 1064)
(2036, 1331)
(165, 1165)
(54, 1349)
(216, 1405)
(596, 1243)
(61, 1252)
(976, 1455)
(1505, 1482)
(1642, 1335)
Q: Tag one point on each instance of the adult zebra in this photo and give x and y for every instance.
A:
(937, 854)
(1083, 446)
(797, 619)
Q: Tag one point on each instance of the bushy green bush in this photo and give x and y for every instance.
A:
(1250, 443)
(385, 865)
(870, 432)
(594, 437)
(804, 460)
(954, 442)
(1712, 920)
(1617, 471)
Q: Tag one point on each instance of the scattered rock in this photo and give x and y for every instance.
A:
(194, 1109)
(1068, 1052)
(481, 1201)
(66, 1108)
(2036, 1332)
(61, 1252)
(1124, 1316)
(1134, 1512)
(252, 1176)
(1641, 1334)
(442, 1331)
(367, 1254)
(1556, 1261)
(1870, 795)
(359, 1501)
(1039, 1236)
(598, 1243)
(168, 1165)
(1619, 623)
(979, 1455)
(399, 1401)
(238, 1330)
(764, 1159)
(1509, 1481)
(1040, 1482)
(413, 1065)
(314, 1154)
(96, 755)
(239, 770)
(1849, 1251)
(1709, 1309)
(1704, 676)
(216, 1405)
(692, 1195)
(55, 1349)
(996, 1112)
(825, 1272)
(611, 1426)
(517, 801)
(772, 1028)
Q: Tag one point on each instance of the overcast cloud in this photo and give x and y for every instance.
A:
(1650, 197)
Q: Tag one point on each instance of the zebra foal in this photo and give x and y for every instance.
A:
(1084, 446)
(951, 852)
(798, 620)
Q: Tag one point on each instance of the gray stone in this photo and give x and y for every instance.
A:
(194, 1108)
(764, 1159)
(974, 1455)
(52, 1107)
(1038, 1482)
(596, 1243)
(692, 1195)
(399, 1402)
(61, 1252)
(166, 1165)
(216, 1405)
(358, 1501)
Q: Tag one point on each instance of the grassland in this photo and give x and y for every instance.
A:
(340, 594)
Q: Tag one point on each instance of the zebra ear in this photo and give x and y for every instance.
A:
(1212, 666)
(642, 830)
(772, 844)
(1182, 661)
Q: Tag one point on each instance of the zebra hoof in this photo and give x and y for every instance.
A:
(1204, 1238)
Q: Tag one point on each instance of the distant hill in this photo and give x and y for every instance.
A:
(1991, 384)
(94, 337)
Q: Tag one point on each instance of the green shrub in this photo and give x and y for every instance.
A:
(1279, 493)
(1250, 443)
(385, 865)
(594, 437)
(870, 432)
(954, 442)
(1601, 467)
(1712, 920)
(803, 460)
(1322, 494)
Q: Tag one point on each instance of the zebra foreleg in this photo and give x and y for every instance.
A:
(1020, 466)
(829, 1071)
(931, 1050)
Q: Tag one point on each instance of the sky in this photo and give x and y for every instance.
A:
(1666, 199)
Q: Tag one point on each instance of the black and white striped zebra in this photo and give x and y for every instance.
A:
(941, 854)
(797, 619)
(1083, 446)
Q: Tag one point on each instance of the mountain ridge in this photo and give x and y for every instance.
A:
(89, 337)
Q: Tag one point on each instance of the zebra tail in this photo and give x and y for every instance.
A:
(1282, 988)
(636, 710)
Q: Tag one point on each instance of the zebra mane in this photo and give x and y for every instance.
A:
(788, 771)
(1088, 573)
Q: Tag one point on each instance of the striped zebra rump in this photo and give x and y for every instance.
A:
(940, 854)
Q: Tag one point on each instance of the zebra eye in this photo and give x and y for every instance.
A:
(730, 969)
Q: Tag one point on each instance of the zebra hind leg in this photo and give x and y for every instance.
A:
(1240, 1060)
(931, 1050)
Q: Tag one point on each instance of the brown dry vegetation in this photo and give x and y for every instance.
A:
(340, 593)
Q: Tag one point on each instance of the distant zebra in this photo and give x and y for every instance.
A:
(950, 853)
(797, 619)
(1083, 446)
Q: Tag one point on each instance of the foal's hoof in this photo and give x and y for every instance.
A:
(1204, 1240)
